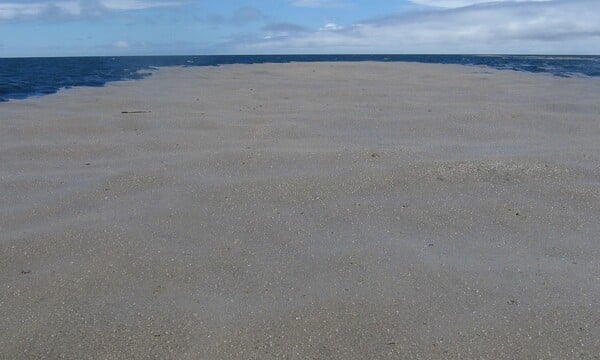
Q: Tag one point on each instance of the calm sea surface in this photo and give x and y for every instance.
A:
(24, 77)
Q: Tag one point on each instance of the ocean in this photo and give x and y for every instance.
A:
(24, 77)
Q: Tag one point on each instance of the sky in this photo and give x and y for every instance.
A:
(199, 27)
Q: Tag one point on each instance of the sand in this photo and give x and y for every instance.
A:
(309, 211)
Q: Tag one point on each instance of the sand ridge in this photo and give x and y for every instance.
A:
(304, 210)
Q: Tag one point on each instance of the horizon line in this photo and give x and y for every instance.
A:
(295, 54)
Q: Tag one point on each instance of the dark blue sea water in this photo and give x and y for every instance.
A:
(24, 77)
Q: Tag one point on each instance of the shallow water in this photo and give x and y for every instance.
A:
(24, 77)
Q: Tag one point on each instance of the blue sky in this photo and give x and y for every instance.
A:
(144, 27)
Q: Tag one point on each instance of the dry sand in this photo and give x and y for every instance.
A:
(313, 210)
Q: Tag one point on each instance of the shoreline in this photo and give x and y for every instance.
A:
(466, 68)
(125, 68)
(326, 210)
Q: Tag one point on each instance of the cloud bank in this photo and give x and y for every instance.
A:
(462, 3)
(30, 10)
(559, 26)
(304, 26)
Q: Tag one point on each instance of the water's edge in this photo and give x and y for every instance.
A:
(21, 78)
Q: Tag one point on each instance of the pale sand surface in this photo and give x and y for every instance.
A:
(314, 210)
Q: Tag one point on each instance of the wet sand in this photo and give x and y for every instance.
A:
(311, 210)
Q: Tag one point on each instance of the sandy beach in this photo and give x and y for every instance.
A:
(303, 211)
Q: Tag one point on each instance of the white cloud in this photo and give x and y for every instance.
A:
(73, 8)
(120, 44)
(560, 26)
(461, 3)
(136, 4)
(69, 7)
(331, 27)
(13, 10)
